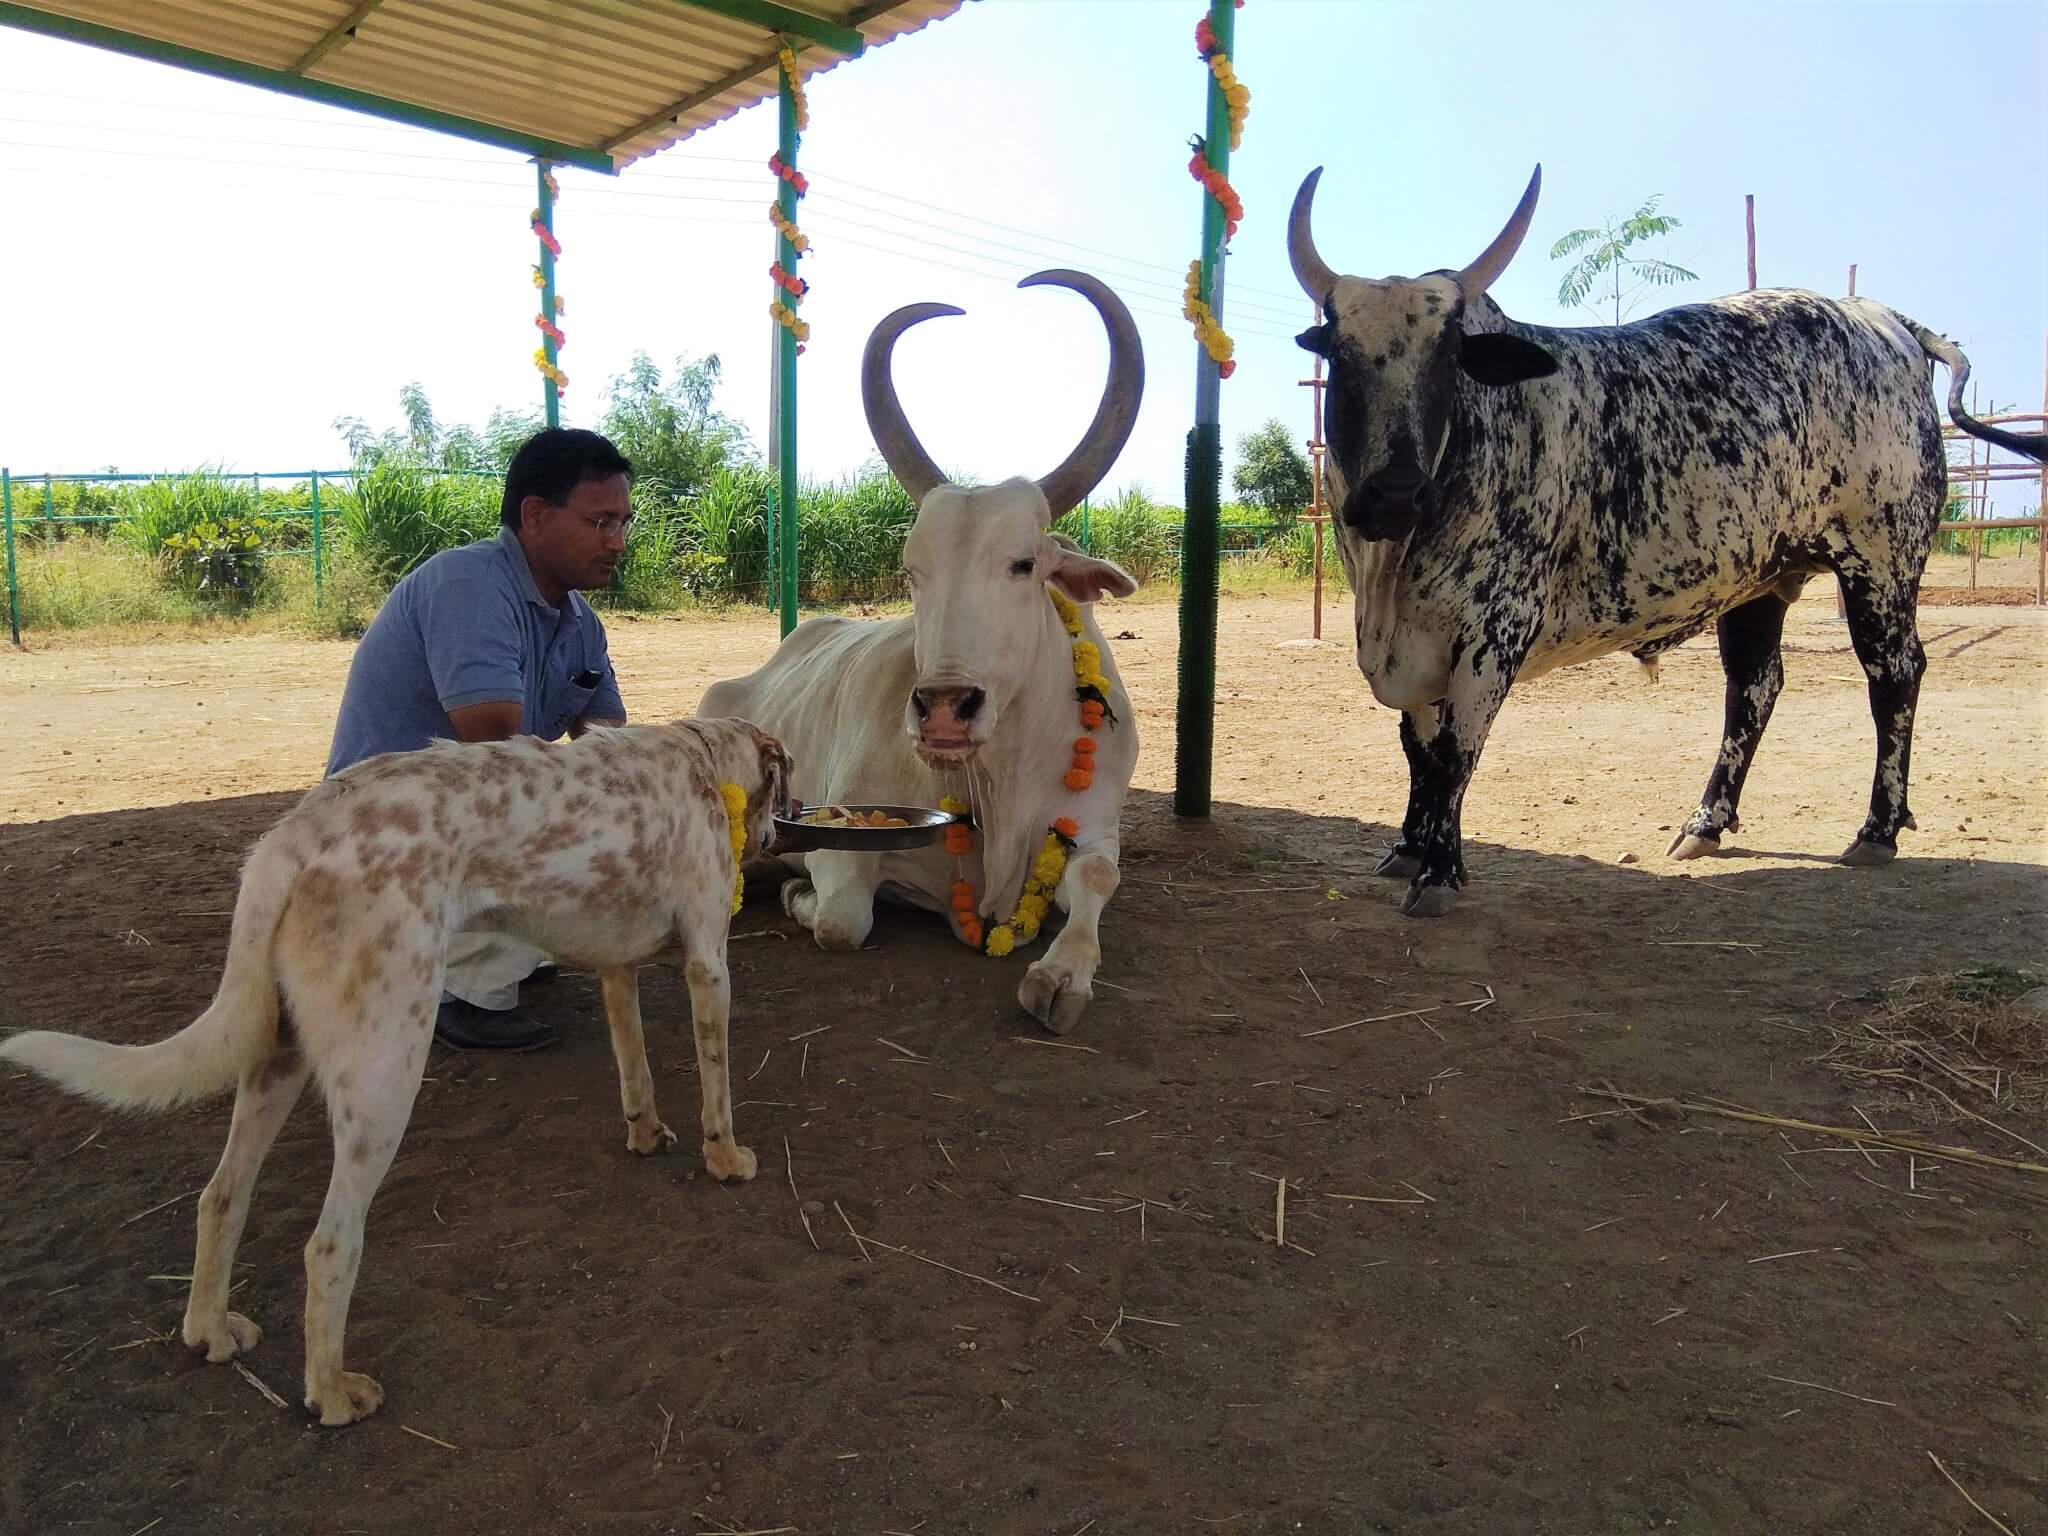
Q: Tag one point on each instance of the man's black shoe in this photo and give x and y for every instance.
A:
(466, 1027)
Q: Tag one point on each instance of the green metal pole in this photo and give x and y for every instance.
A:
(551, 397)
(1195, 725)
(785, 365)
(13, 596)
(317, 550)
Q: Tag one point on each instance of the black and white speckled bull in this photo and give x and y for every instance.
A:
(1515, 498)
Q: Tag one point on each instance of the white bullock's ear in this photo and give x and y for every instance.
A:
(1083, 578)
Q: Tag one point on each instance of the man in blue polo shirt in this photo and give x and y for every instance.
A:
(493, 641)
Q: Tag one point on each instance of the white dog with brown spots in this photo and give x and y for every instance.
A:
(600, 851)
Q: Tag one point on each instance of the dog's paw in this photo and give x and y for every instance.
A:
(648, 1136)
(355, 1396)
(728, 1163)
(230, 1335)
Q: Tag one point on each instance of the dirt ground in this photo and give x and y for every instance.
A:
(1550, 1316)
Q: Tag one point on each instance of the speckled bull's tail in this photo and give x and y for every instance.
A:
(2033, 445)
(206, 1056)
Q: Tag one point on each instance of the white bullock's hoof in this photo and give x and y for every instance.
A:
(1428, 900)
(1863, 854)
(1049, 996)
(1399, 866)
(794, 891)
(1688, 845)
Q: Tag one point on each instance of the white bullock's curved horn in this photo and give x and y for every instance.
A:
(1493, 261)
(1082, 469)
(1315, 278)
(901, 451)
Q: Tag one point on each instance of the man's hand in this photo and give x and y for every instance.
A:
(499, 721)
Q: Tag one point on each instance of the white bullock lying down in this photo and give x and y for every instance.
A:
(998, 692)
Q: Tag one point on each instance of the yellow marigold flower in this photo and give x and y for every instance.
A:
(953, 805)
(735, 800)
(1001, 940)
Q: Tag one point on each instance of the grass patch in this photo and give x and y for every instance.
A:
(93, 584)
(1948, 1048)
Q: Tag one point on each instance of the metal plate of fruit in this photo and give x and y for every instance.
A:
(859, 828)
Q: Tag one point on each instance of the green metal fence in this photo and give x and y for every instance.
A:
(29, 509)
(42, 511)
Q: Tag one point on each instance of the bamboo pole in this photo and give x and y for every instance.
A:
(1317, 516)
(1749, 219)
(1973, 538)
(2041, 506)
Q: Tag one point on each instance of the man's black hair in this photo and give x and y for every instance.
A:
(553, 462)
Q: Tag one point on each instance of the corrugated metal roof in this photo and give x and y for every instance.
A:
(616, 78)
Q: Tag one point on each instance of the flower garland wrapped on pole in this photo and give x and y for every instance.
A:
(792, 330)
(547, 356)
(1229, 100)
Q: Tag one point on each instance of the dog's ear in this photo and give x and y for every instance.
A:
(777, 773)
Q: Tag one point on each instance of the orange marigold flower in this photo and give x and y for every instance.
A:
(959, 840)
(1079, 779)
(1067, 827)
(970, 930)
(963, 896)
(1085, 747)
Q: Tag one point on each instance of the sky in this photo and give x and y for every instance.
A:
(203, 273)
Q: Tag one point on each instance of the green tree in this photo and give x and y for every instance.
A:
(1272, 474)
(1607, 273)
(675, 436)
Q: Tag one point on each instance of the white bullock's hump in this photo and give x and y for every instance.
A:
(823, 658)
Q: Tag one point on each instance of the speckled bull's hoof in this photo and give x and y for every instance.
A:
(1428, 900)
(1865, 854)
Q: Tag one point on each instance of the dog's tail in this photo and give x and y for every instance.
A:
(207, 1055)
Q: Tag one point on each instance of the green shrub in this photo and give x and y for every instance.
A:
(219, 562)
(157, 510)
(396, 513)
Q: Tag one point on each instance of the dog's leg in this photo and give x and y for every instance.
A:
(645, 1133)
(371, 1080)
(710, 1011)
(269, 1088)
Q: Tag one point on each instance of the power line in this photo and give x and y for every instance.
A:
(656, 171)
(1249, 323)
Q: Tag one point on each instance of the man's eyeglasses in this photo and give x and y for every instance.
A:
(611, 525)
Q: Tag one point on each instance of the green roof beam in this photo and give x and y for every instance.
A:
(834, 35)
(134, 45)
